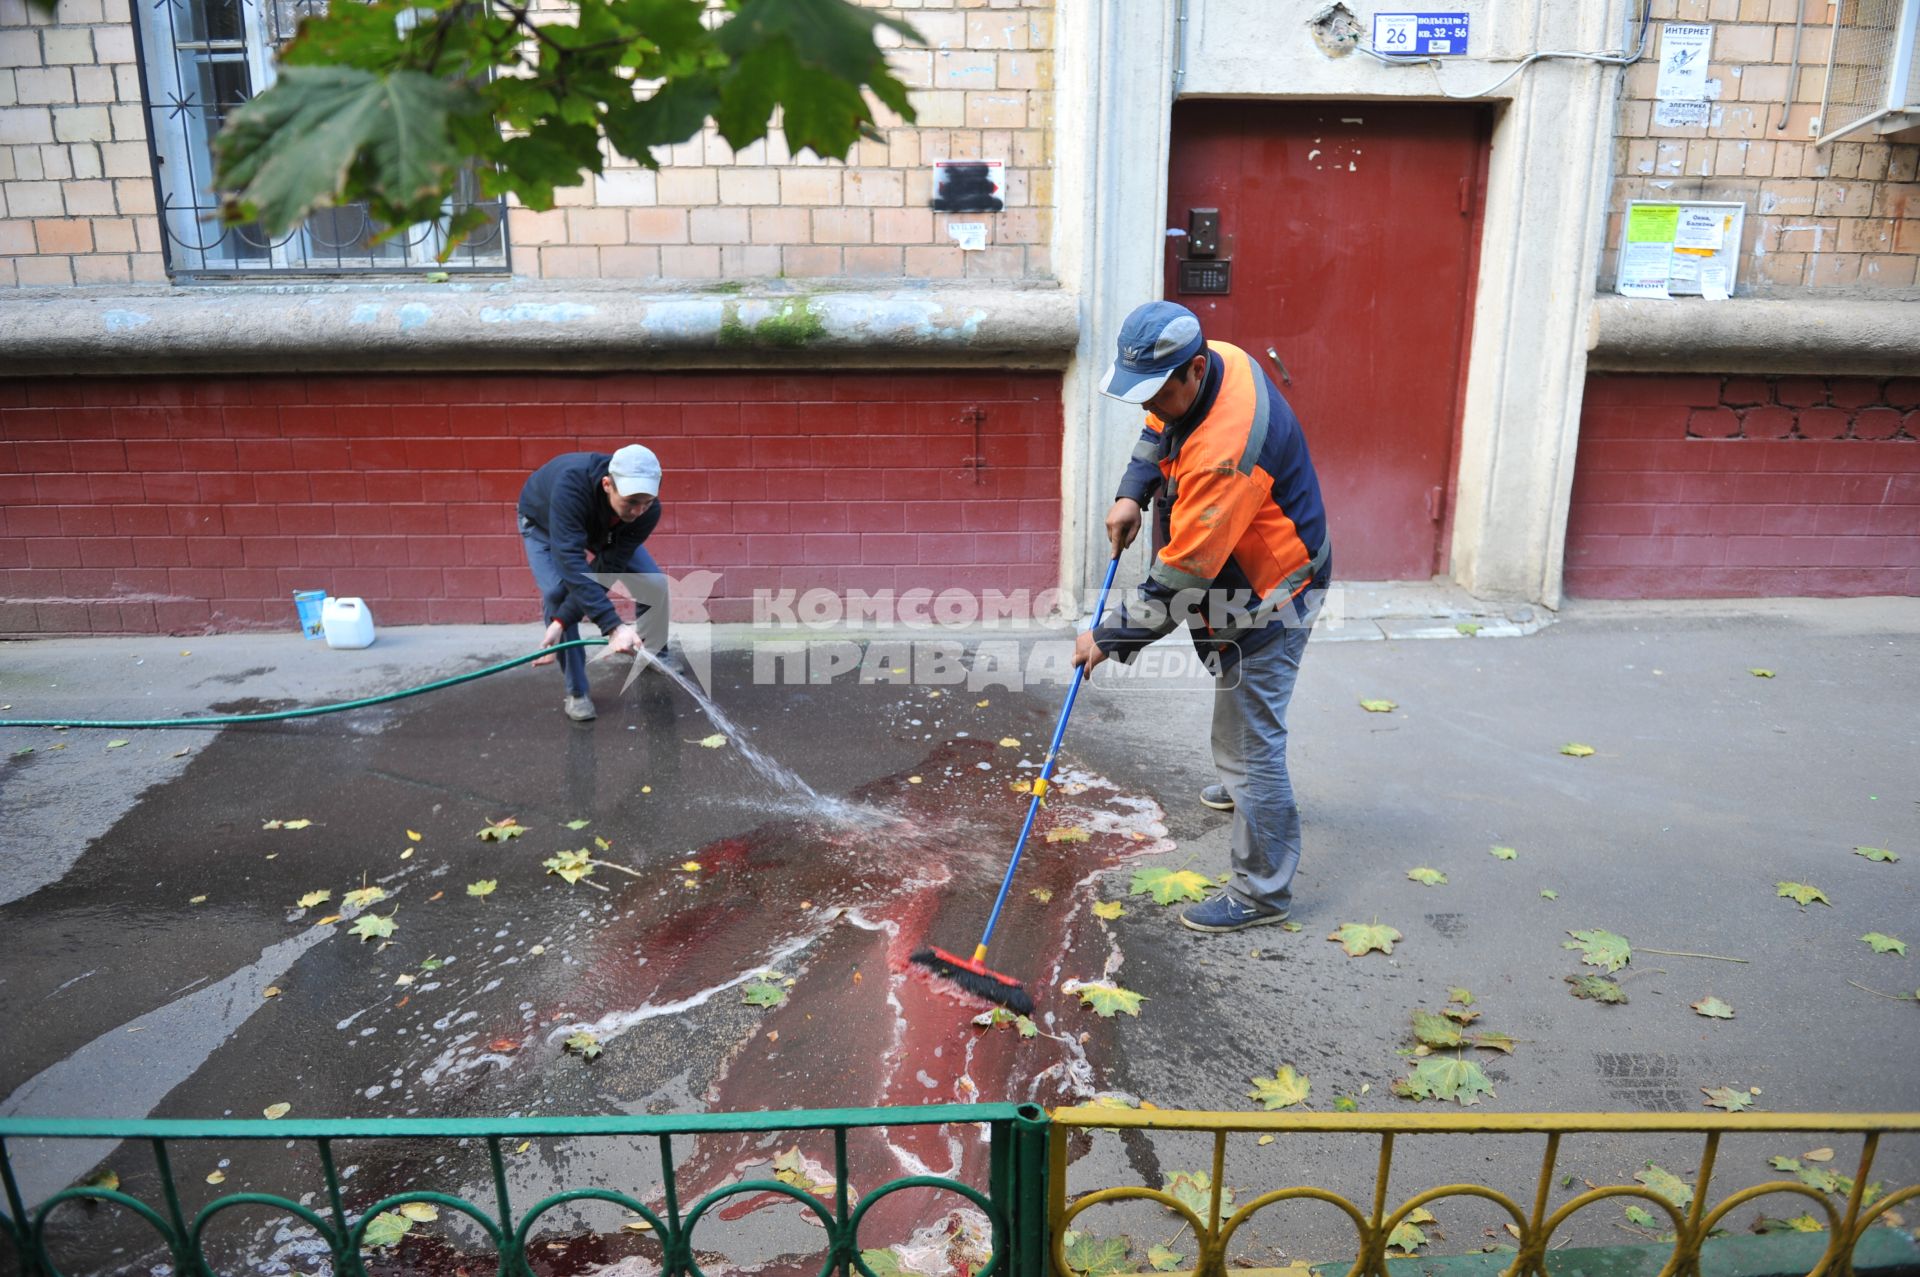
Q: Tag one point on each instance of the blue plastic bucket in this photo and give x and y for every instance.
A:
(309, 604)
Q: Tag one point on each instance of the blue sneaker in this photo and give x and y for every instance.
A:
(1225, 912)
(1216, 797)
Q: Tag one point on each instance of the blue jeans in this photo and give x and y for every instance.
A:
(557, 604)
(1250, 753)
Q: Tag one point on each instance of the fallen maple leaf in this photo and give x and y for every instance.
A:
(1284, 1089)
(386, 1229)
(1880, 854)
(1107, 1000)
(1068, 833)
(1010, 742)
(1167, 886)
(1881, 943)
(482, 888)
(1502, 853)
(1597, 988)
(583, 1044)
(1713, 1008)
(1668, 1186)
(1109, 909)
(273, 1112)
(372, 926)
(1435, 1031)
(1428, 877)
(1730, 1098)
(715, 741)
(1358, 938)
(1801, 893)
(1194, 1190)
(1445, 1077)
(1576, 750)
(501, 830)
(1378, 707)
(361, 897)
(763, 993)
(1601, 949)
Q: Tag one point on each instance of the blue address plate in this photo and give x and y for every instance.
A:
(1420, 34)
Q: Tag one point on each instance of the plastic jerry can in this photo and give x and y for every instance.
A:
(347, 623)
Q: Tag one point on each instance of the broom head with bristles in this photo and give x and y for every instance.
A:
(977, 978)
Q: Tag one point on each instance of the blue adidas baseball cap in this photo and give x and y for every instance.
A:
(1155, 340)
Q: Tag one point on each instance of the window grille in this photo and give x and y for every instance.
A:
(1873, 75)
(202, 59)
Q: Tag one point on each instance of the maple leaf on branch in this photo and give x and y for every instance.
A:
(394, 102)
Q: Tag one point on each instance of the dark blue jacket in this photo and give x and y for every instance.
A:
(564, 499)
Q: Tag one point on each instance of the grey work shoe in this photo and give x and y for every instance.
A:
(579, 708)
(1225, 912)
(1216, 797)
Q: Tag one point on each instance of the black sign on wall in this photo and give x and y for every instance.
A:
(967, 186)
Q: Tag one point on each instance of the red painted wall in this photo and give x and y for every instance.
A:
(1705, 487)
(181, 505)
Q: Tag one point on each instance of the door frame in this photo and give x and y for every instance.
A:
(1543, 216)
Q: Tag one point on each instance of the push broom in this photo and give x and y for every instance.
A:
(973, 974)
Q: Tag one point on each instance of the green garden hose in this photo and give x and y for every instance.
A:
(225, 720)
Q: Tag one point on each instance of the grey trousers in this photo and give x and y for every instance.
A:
(1250, 753)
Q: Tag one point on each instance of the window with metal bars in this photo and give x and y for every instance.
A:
(201, 60)
(1873, 69)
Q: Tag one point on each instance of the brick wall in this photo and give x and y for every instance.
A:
(77, 195)
(137, 505)
(1703, 487)
(1843, 219)
(76, 183)
(981, 89)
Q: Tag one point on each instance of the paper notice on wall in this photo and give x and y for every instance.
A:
(1643, 270)
(1701, 229)
(1683, 62)
(970, 236)
(1646, 261)
(1713, 283)
(1681, 115)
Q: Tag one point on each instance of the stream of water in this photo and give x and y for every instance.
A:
(801, 798)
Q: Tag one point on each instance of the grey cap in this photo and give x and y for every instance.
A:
(635, 469)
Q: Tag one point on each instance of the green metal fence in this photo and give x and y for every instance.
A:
(1014, 1199)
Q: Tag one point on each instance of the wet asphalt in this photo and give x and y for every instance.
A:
(1707, 785)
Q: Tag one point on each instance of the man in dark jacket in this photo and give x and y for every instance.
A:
(604, 505)
(1245, 561)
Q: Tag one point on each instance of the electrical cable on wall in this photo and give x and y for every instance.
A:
(1621, 59)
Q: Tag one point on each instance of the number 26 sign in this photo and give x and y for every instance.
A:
(1420, 34)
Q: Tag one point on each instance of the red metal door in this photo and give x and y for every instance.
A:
(1353, 231)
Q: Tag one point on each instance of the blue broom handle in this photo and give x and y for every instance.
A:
(1046, 768)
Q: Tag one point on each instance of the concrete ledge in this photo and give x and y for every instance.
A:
(1868, 338)
(532, 327)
